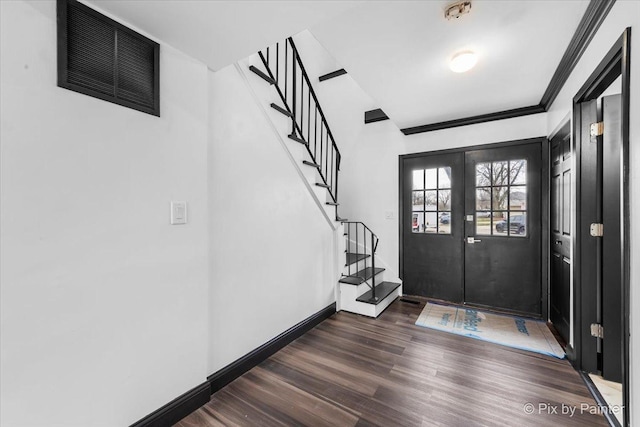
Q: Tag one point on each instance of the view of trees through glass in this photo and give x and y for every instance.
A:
(501, 198)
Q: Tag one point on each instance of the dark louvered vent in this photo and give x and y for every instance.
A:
(102, 58)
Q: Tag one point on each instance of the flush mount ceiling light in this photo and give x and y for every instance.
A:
(463, 61)
(456, 10)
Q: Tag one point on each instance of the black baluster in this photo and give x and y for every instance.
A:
(331, 175)
(294, 90)
(373, 268)
(321, 139)
(364, 233)
(286, 73)
(315, 134)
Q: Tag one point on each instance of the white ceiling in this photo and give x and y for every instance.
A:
(219, 32)
(397, 51)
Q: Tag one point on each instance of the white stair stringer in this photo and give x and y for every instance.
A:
(264, 94)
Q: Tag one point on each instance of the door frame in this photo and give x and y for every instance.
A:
(614, 64)
(544, 207)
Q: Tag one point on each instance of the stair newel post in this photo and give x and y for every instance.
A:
(373, 268)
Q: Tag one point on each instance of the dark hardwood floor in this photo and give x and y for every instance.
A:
(356, 371)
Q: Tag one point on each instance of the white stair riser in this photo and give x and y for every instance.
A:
(357, 266)
(349, 294)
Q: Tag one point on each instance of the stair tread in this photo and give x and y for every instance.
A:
(360, 276)
(308, 163)
(353, 257)
(281, 110)
(297, 139)
(383, 290)
(333, 204)
(320, 184)
(262, 75)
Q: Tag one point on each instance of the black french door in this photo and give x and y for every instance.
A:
(433, 228)
(503, 228)
(471, 226)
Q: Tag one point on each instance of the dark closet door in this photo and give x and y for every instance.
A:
(432, 232)
(612, 320)
(601, 253)
(560, 227)
(502, 260)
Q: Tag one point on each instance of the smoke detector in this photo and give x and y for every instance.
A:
(456, 10)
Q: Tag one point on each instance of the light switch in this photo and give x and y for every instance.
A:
(469, 218)
(178, 213)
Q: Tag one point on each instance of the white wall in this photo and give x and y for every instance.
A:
(271, 260)
(623, 14)
(104, 304)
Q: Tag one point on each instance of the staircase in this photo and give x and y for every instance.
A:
(361, 289)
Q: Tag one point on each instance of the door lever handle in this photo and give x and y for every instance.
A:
(473, 240)
(558, 242)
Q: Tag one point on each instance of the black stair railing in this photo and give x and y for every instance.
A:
(308, 123)
(361, 244)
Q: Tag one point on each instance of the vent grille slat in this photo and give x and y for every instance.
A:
(107, 60)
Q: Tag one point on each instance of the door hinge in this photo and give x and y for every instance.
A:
(597, 330)
(596, 230)
(597, 129)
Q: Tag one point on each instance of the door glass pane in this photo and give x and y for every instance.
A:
(500, 198)
(500, 173)
(431, 179)
(444, 177)
(418, 201)
(444, 200)
(483, 174)
(517, 224)
(500, 226)
(518, 172)
(518, 198)
(483, 223)
(501, 192)
(444, 223)
(418, 179)
(431, 200)
(431, 222)
(417, 222)
(483, 199)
